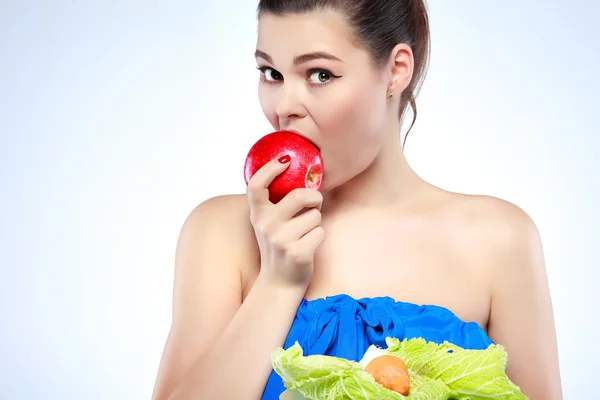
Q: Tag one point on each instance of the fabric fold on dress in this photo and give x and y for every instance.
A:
(342, 326)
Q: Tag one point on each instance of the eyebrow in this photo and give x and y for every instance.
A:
(318, 55)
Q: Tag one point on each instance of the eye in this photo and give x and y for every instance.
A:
(320, 76)
(270, 75)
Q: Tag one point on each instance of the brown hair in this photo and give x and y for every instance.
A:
(379, 25)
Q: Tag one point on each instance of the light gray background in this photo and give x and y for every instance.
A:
(117, 118)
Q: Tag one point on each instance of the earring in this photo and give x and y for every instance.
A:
(391, 95)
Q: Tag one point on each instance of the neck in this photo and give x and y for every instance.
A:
(388, 181)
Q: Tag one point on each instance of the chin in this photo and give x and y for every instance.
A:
(324, 189)
(329, 185)
(326, 186)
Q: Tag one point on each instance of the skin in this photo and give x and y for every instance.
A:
(379, 217)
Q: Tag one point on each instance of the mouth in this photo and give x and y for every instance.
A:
(305, 137)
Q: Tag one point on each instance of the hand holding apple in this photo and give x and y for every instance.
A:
(289, 232)
(306, 164)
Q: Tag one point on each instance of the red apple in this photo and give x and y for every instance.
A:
(306, 164)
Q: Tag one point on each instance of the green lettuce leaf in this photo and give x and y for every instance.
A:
(437, 372)
(320, 377)
(470, 374)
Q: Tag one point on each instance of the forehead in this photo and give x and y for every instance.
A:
(283, 37)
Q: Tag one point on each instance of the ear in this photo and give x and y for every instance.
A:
(402, 66)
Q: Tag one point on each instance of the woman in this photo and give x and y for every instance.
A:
(323, 267)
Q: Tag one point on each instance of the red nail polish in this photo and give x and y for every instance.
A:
(284, 159)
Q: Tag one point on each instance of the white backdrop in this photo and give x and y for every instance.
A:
(116, 119)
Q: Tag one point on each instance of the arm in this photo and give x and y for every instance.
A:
(219, 348)
(521, 316)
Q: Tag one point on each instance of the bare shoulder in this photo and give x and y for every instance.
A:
(521, 314)
(227, 219)
(496, 224)
(224, 222)
(488, 229)
(217, 239)
(231, 208)
(212, 249)
(219, 225)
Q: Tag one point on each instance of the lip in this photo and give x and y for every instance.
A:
(304, 136)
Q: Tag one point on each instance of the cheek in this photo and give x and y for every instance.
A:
(268, 105)
(360, 110)
(355, 120)
(353, 127)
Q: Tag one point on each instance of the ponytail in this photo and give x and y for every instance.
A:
(421, 47)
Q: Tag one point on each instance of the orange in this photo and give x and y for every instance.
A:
(390, 372)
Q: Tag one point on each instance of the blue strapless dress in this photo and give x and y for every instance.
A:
(342, 326)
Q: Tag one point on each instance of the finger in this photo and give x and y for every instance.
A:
(298, 200)
(312, 240)
(258, 185)
(299, 226)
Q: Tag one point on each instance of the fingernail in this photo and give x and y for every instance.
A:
(284, 159)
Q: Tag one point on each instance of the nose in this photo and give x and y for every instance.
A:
(289, 105)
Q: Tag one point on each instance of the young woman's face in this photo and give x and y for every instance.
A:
(316, 80)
